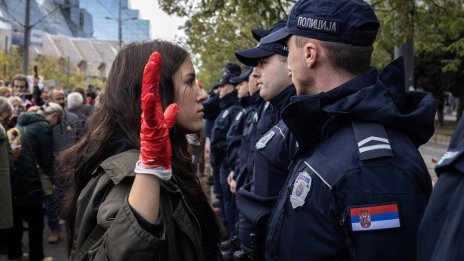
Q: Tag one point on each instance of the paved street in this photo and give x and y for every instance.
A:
(432, 150)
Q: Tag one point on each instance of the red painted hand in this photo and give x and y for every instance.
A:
(155, 146)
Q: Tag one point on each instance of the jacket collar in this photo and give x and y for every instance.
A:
(314, 121)
(283, 98)
(229, 100)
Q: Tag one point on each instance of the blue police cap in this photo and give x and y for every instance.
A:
(242, 77)
(343, 21)
(259, 33)
(250, 56)
(215, 85)
(230, 70)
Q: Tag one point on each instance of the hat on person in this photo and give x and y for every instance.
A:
(230, 70)
(251, 56)
(215, 85)
(259, 33)
(242, 77)
(343, 21)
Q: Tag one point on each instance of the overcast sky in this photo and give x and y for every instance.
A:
(161, 25)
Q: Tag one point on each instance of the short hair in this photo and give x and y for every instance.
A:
(20, 77)
(345, 57)
(57, 89)
(281, 58)
(4, 91)
(6, 109)
(80, 90)
(16, 99)
(50, 108)
(74, 100)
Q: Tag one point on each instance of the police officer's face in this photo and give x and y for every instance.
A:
(272, 76)
(225, 89)
(189, 97)
(242, 89)
(252, 87)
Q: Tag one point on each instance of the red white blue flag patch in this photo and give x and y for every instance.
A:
(374, 217)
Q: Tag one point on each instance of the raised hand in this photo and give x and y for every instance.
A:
(155, 146)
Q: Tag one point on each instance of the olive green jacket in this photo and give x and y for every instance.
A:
(106, 228)
(6, 169)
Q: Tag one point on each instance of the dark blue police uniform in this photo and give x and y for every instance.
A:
(231, 107)
(274, 152)
(241, 175)
(212, 109)
(358, 186)
(441, 234)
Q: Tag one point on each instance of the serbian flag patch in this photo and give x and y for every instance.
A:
(374, 217)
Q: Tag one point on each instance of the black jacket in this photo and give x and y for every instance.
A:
(36, 141)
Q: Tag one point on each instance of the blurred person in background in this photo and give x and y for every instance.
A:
(7, 155)
(65, 134)
(5, 92)
(20, 88)
(87, 109)
(37, 148)
(18, 107)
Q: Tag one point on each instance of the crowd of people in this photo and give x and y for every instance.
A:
(313, 154)
(36, 125)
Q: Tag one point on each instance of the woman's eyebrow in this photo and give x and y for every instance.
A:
(190, 75)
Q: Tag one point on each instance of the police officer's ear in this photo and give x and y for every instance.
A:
(312, 52)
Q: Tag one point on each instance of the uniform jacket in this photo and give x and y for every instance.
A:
(6, 174)
(106, 228)
(212, 109)
(273, 154)
(230, 108)
(248, 136)
(235, 134)
(27, 188)
(358, 186)
(440, 233)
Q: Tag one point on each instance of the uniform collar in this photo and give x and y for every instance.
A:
(282, 99)
(315, 120)
(229, 100)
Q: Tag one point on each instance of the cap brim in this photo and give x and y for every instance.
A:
(250, 56)
(276, 36)
(259, 33)
(242, 77)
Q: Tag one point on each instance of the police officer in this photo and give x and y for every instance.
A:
(236, 133)
(230, 108)
(274, 150)
(358, 185)
(441, 231)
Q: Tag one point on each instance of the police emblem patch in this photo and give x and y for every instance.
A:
(301, 188)
(264, 140)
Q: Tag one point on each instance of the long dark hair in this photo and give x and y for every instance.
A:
(118, 118)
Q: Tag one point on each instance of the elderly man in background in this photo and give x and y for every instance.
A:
(65, 134)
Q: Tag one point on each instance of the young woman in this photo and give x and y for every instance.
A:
(126, 204)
